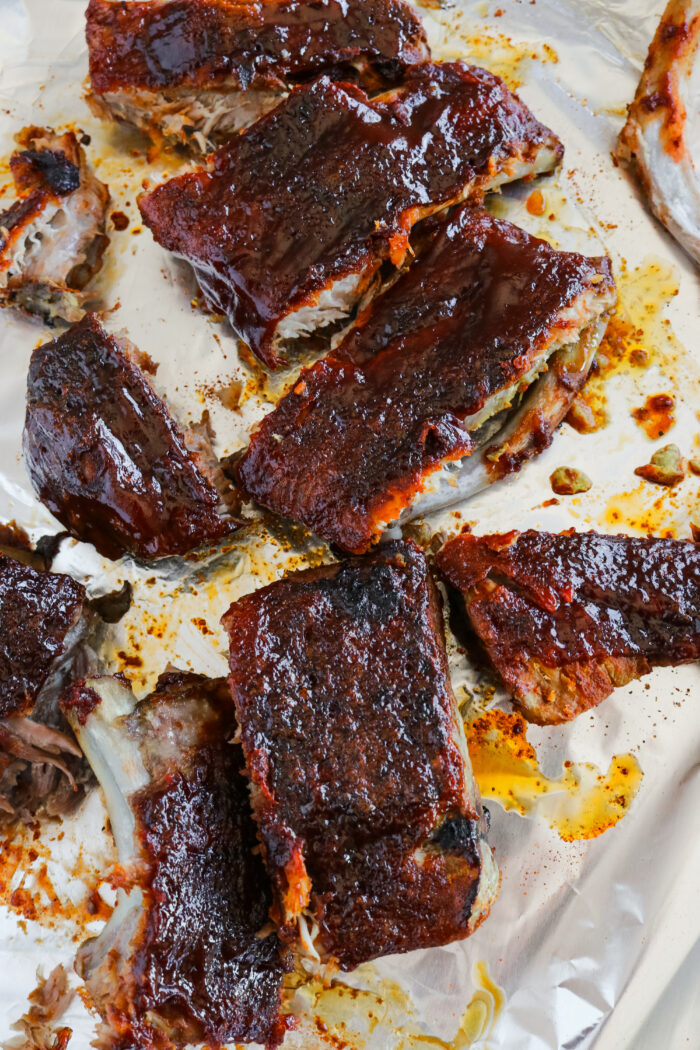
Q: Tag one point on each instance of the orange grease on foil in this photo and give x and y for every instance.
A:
(638, 335)
(581, 804)
(651, 510)
(655, 416)
(27, 889)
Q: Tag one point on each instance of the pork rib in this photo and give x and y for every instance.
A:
(565, 618)
(371, 826)
(191, 72)
(107, 458)
(433, 371)
(184, 957)
(288, 226)
(52, 238)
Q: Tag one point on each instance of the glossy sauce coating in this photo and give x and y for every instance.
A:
(578, 602)
(352, 443)
(347, 719)
(201, 957)
(204, 43)
(37, 610)
(105, 456)
(329, 184)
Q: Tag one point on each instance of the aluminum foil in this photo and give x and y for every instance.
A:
(595, 944)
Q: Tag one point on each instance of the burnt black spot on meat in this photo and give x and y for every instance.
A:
(59, 173)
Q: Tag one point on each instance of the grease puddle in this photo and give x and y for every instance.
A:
(580, 804)
(384, 1016)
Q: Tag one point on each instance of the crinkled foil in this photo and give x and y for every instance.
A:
(593, 943)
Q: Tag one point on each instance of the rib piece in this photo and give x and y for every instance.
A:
(52, 238)
(184, 958)
(657, 139)
(190, 72)
(42, 633)
(107, 458)
(567, 618)
(429, 370)
(289, 227)
(361, 785)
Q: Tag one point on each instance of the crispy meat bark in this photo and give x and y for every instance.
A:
(288, 227)
(371, 826)
(42, 629)
(52, 238)
(184, 957)
(566, 618)
(190, 72)
(107, 458)
(657, 139)
(427, 372)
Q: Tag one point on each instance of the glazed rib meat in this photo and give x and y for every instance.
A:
(185, 957)
(42, 630)
(52, 238)
(428, 375)
(371, 827)
(107, 458)
(190, 72)
(566, 618)
(657, 140)
(288, 227)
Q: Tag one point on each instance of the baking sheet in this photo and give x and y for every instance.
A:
(586, 937)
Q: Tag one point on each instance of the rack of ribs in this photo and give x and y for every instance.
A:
(191, 72)
(371, 825)
(565, 618)
(107, 458)
(52, 238)
(457, 374)
(186, 956)
(43, 631)
(288, 225)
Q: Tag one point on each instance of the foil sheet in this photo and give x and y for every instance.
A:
(595, 943)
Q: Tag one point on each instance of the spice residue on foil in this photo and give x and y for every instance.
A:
(638, 335)
(37, 887)
(654, 510)
(580, 804)
(384, 1016)
(453, 33)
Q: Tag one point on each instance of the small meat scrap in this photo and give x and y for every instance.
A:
(38, 1027)
(565, 618)
(567, 481)
(665, 468)
(191, 72)
(52, 238)
(42, 634)
(107, 458)
(186, 956)
(289, 223)
(478, 348)
(371, 826)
